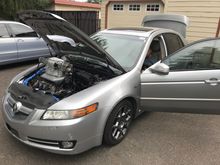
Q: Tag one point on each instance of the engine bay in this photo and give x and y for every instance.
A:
(62, 77)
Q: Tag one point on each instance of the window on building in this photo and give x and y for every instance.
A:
(153, 7)
(118, 7)
(134, 7)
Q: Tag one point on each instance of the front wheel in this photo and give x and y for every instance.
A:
(118, 123)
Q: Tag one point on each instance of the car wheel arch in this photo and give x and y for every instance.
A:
(128, 98)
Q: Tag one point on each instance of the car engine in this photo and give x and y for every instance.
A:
(60, 77)
(55, 69)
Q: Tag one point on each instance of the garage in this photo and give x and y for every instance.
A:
(128, 12)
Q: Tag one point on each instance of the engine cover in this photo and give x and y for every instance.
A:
(55, 69)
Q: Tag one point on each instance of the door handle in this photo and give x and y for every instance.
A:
(212, 81)
(20, 40)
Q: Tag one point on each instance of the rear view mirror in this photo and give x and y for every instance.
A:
(160, 68)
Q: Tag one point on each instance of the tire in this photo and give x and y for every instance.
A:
(118, 123)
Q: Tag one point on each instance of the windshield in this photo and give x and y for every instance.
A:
(125, 49)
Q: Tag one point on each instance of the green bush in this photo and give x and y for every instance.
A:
(9, 8)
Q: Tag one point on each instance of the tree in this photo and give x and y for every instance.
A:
(9, 8)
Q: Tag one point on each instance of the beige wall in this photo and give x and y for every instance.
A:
(203, 14)
(125, 17)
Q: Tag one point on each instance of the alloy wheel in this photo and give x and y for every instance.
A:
(121, 122)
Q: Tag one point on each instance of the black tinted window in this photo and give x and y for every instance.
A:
(22, 31)
(173, 42)
(3, 31)
(199, 56)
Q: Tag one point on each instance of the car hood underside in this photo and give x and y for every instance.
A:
(48, 25)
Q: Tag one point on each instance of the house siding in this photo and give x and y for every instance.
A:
(203, 15)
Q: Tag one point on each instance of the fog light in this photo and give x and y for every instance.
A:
(67, 144)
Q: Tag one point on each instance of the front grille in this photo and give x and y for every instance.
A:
(20, 116)
(23, 112)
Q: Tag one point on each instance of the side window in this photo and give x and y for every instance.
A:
(118, 7)
(173, 42)
(155, 53)
(134, 7)
(153, 7)
(200, 56)
(3, 32)
(22, 31)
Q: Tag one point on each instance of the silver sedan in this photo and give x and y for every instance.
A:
(90, 92)
(18, 42)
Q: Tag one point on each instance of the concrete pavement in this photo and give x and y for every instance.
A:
(154, 139)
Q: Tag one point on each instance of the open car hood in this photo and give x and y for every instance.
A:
(53, 28)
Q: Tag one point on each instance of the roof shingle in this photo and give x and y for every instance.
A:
(78, 4)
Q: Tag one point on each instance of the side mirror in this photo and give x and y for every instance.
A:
(160, 68)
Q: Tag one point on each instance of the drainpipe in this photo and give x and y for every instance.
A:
(218, 29)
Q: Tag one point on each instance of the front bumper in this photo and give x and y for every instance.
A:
(27, 127)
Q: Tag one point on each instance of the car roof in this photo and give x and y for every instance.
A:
(10, 22)
(14, 22)
(136, 31)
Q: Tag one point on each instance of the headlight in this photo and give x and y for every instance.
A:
(70, 114)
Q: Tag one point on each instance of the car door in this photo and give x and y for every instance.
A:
(191, 85)
(8, 48)
(29, 44)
